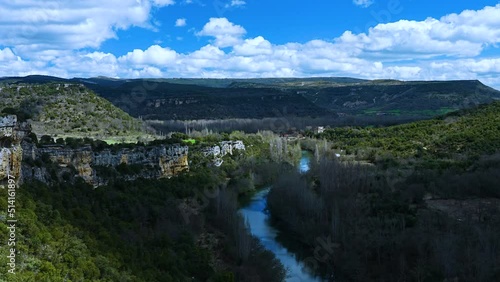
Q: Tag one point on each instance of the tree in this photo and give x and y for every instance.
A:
(46, 140)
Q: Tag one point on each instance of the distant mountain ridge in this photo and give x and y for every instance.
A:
(191, 99)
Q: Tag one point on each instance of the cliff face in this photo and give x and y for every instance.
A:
(173, 160)
(25, 161)
(153, 162)
(81, 159)
(226, 147)
(12, 133)
(168, 160)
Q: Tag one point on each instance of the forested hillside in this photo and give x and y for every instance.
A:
(457, 138)
(69, 110)
(413, 202)
(181, 229)
(303, 98)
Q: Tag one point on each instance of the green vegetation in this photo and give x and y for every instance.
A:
(381, 233)
(181, 229)
(70, 110)
(456, 139)
(190, 141)
(370, 204)
(76, 233)
(425, 207)
(256, 104)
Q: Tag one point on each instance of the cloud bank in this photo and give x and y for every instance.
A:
(450, 47)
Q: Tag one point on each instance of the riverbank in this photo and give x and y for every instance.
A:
(255, 212)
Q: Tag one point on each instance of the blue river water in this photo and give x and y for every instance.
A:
(260, 227)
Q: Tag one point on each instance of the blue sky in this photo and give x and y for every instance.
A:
(399, 39)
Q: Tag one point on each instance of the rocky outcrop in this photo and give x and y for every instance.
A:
(80, 159)
(153, 162)
(170, 160)
(224, 148)
(21, 158)
(173, 160)
(12, 133)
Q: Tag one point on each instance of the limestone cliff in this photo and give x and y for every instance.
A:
(150, 162)
(173, 160)
(81, 159)
(217, 152)
(26, 161)
(12, 133)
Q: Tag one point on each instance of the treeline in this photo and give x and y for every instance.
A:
(479, 180)
(456, 139)
(134, 231)
(97, 144)
(381, 233)
(279, 124)
(72, 232)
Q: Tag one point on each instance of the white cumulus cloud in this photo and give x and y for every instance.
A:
(225, 32)
(363, 3)
(180, 22)
(465, 34)
(154, 55)
(236, 3)
(33, 25)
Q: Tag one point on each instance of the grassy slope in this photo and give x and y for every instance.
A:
(71, 111)
(454, 138)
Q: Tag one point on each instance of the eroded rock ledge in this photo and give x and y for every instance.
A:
(23, 159)
(12, 133)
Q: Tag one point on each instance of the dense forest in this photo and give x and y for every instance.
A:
(466, 133)
(413, 202)
(181, 229)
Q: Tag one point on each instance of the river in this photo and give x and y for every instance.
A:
(258, 219)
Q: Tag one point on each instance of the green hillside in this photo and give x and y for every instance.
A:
(64, 110)
(295, 98)
(303, 98)
(425, 207)
(169, 101)
(397, 98)
(455, 138)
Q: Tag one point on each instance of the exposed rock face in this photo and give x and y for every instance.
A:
(81, 159)
(160, 161)
(12, 133)
(226, 147)
(168, 161)
(173, 160)
(21, 158)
